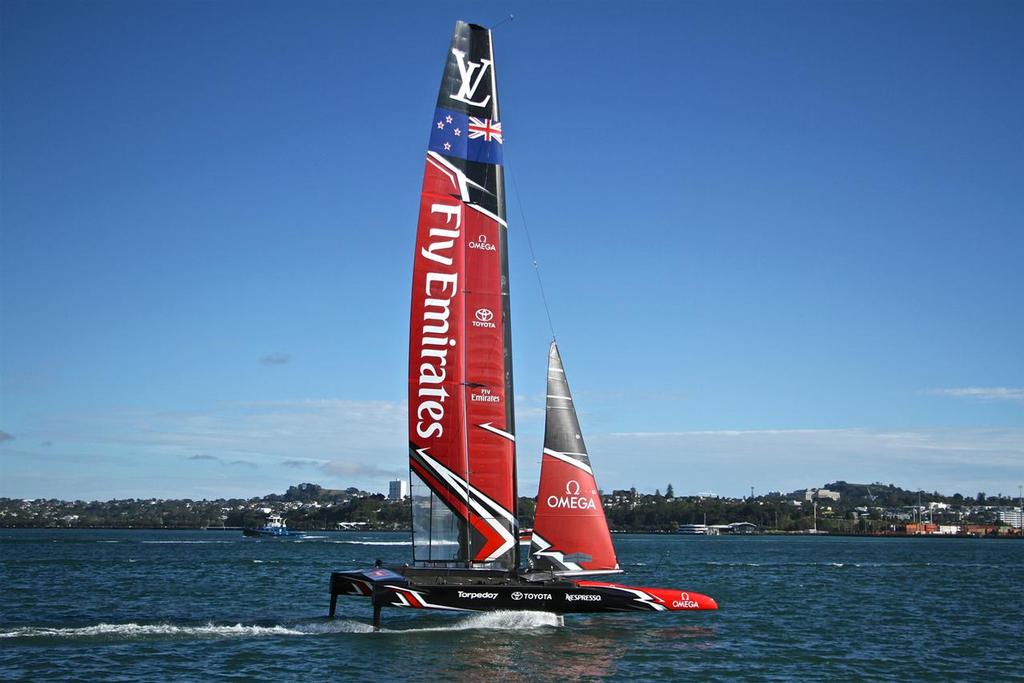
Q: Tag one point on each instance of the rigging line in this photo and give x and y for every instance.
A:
(510, 17)
(533, 256)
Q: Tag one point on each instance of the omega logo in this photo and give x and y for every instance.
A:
(572, 498)
(481, 243)
(685, 602)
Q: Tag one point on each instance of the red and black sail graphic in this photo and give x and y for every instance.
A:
(461, 423)
(570, 533)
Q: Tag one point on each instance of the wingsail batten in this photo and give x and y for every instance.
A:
(570, 532)
(461, 425)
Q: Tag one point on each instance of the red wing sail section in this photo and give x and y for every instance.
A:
(461, 425)
(570, 533)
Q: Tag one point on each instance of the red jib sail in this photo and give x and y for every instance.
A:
(570, 533)
(461, 423)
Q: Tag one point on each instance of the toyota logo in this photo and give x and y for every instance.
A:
(517, 596)
(484, 315)
(572, 487)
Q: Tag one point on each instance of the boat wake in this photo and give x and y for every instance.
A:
(373, 542)
(133, 631)
(184, 542)
(493, 621)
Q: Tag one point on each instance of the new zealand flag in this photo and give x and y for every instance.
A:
(467, 137)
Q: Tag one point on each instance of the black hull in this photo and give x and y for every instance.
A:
(483, 591)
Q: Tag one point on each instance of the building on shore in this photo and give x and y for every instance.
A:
(398, 489)
(622, 497)
(820, 494)
(1011, 516)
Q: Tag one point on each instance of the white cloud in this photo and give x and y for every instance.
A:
(243, 463)
(330, 434)
(983, 393)
(730, 461)
(363, 443)
(349, 470)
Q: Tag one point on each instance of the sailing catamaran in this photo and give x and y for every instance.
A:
(462, 463)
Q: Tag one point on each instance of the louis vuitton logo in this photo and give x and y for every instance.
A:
(472, 74)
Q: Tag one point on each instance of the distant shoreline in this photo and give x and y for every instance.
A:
(772, 533)
(841, 508)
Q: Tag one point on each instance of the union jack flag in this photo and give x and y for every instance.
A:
(485, 128)
(456, 134)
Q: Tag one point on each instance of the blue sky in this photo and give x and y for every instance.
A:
(781, 242)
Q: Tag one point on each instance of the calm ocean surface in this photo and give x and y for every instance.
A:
(199, 605)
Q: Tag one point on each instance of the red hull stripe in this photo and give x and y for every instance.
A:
(661, 599)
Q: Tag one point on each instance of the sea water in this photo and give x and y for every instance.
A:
(199, 605)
